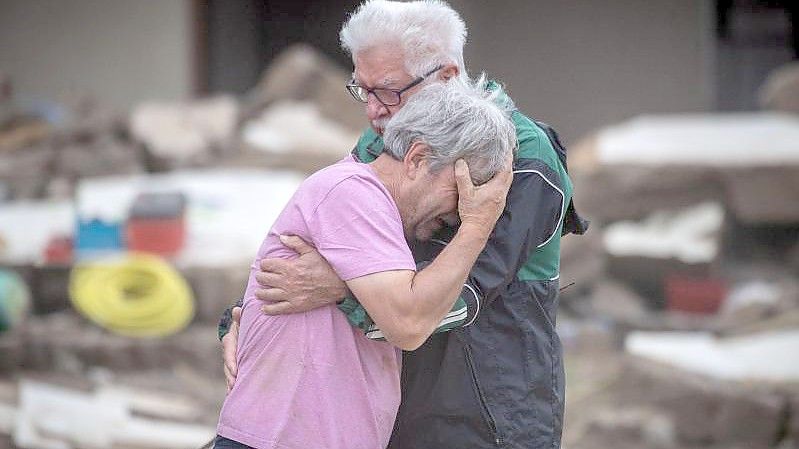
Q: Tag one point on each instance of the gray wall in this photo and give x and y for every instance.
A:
(583, 64)
(578, 64)
(120, 50)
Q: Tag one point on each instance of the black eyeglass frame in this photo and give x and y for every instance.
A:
(351, 86)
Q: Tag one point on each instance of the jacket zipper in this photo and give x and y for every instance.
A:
(492, 424)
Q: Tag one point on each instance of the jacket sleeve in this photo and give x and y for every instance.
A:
(227, 317)
(533, 213)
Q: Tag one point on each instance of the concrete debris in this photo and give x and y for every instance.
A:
(633, 192)
(632, 427)
(706, 412)
(25, 172)
(705, 140)
(294, 133)
(615, 301)
(297, 126)
(102, 157)
(690, 235)
(22, 133)
(65, 342)
(675, 161)
(763, 357)
(780, 92)
(582, 261)
(758, 195)
(50, 416)
(303, 74)
(185, 133)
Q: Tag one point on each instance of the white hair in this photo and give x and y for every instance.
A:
(457, 120)
(429, 33)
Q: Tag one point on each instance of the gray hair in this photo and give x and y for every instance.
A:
(457, 120)
(428, 32)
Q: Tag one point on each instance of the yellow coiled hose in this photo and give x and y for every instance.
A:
(138, 295)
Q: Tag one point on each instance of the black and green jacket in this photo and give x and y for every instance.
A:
(495, 379)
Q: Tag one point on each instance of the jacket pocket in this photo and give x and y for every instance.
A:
(491, 422)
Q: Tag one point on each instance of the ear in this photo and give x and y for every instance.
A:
(448, 71)
(415, 161)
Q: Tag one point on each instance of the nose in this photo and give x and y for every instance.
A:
(374, 108)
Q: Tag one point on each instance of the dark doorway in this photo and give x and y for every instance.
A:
(236, 39)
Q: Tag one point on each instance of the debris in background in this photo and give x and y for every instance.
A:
(296, 135)
(53, 417)
(139, 295)
(15, 299)
(767, 356)
(157, 223)
(228, 211)
(707, 412)
(780, 92)
(302, 73)
(180, 134)
(667, 162)
(26, 228)
(689, 236)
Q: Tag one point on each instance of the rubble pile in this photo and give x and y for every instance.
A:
(692, 271)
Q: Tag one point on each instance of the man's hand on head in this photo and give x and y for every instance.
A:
(481, 206)
(298, 285)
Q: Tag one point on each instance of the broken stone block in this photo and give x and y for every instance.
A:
(647, 253)
(705, 411)
(302, 73)
(26, 172)
(763, 195)
(582, 261)
(615, 301)
(181, 134)
(294, 135)
(633, 427)
(632, 192)
(64, 342)
(780, 92)
(104, 156)
(651, 163)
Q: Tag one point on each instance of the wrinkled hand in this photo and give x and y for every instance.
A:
(229, 344)
(298, 285)
(482, 205)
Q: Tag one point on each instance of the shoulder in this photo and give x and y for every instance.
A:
(347, 183)
(533, 140)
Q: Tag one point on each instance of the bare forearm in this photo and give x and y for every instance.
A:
(435, 289)
(408, 306)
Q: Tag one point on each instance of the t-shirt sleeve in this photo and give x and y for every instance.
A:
(357, 228)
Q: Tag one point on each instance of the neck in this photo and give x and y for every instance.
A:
(389, 172)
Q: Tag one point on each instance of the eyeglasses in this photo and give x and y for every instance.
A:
(387, 97)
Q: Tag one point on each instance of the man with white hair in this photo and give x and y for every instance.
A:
(495, 379)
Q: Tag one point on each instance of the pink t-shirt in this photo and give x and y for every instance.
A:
(310, 380)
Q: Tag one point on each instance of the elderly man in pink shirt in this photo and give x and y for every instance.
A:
(311, 380)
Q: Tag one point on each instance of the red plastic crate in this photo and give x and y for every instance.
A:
(694, 295)
(162, 236)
